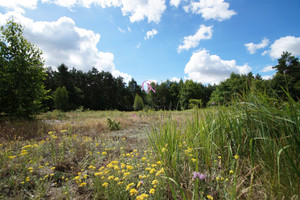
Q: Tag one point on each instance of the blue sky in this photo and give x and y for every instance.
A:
(202, 40)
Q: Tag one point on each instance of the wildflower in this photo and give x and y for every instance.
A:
(104, 153)
(139, 184)
(30, 168)
(22, 182)
(110, 177)
(129, 167)
(231, 172)
(199, 175)
(119, 183)
(152, 191)
(92, 167)
(236, 157)
(116, 179)
(219, 157)
(158, 162)
(27, 179)
(12, 157)
(85, 176)
(218, 178)
(154, 182)
(46, 176)
(53, 168)
(163, 149)
(82, 184)
(152, 171)
(129, 186)
(142, 196)
(133, 191)
(41, 166)
(126, 174)
(98, 173)
(194, 160)
(63, 131)
(52, 174)
(209, 197)
(76, 177)
(105, 184)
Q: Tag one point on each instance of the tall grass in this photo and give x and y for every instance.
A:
(247, 150)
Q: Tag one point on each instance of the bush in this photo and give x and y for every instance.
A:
(138, 103)
(61, 99)
(112, 124)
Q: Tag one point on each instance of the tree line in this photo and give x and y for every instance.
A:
(27, 88)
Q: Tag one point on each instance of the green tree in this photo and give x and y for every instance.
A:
(287, 76)
(21, 73)
(138, 103)
(61, 99)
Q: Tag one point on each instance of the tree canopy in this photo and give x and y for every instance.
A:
(21, 73)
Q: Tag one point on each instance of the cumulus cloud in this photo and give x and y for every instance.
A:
(205, 68)
(192, 41)
(15, 4)
(150, 34)
(288, 43)
(136, 9)
(210, 9)
(253, 47)
(175, 3)
(267, 69)
(62, 42)
(139, 9)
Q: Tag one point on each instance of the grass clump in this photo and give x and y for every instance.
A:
(112, 124)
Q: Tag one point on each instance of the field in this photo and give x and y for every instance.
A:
(248, 150)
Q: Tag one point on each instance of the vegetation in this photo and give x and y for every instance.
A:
(138, 103)
(21, 74)
(61, 99)
(244, 147)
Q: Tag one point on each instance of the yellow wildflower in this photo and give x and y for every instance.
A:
(236, 157)
(82, 184)
(209, 197)
(231, 172)
(152, 191)
(129, 186)
(105, 184)
(133, 191)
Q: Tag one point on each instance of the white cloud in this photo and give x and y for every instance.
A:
(139, 9)
(138, 45)
(192, 41)
(136, 9)
(267, 69)
(128, 28)
(62, 42)
(267, 77)
(121, 30)
(205, 68)
(210, 9)
(15, 4)
(175, 3)
(150, 34)
(175, 79)
(253, 47)
(288, 43)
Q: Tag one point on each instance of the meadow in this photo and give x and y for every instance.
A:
(246, 150)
